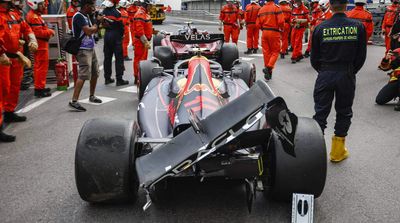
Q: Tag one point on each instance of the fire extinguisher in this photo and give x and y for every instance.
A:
(62, 75)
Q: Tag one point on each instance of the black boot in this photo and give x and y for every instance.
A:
(397, 106)
(121, 82)
(294, 60)
(109, 81)
(127, 58)
(267, 74)
(249, 51)
(255, 50)
(5, 137)
(282, 56)
(41, 93)
(299, 58)
(306, 54)
(12, 117)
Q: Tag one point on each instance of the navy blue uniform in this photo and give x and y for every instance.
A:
(338, 52)
(113, 42)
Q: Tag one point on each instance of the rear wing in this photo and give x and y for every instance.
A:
(197, 38)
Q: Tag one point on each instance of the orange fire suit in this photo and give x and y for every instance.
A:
(387, 23)
(231, 19)
(324, 16)
(315, 14)
(12, 75)
(3, 25)
(125, 21)
(143, 26)
(131, 13)
(364, 16)
(300, 12)
(271, 21)
(287, 11)
(253, 32)
(70, 13)
(43, 34)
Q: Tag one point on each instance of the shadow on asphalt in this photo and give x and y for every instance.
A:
(188, 200)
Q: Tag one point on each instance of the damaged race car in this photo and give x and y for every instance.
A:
(200, 120)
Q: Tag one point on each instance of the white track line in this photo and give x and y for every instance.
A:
(38, 103)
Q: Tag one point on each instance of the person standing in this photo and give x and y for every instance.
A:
(16, 33)
(388, 20)
(299, 21)
(338, 52)
(143, 35)
(83, 27)
(72, 9)
(315, 14)
(271, 21)
(125, 20)
(253, 32)
(363, 15)
(113, 43)
(43, 35)
(287, 12)
(132, 9)
(230, 19)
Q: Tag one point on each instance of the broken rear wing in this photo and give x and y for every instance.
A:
(197, 38)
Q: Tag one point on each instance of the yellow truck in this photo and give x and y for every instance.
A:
(157, 13)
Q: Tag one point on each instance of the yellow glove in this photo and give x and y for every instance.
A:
(33, 46)
(21, 42)
(27, 63)
(4, 60)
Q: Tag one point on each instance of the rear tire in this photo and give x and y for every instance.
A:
(245, 71)
(157, 40)
(105, 161)
(165, 55)
(305, 173)
(145, 75)
(229, 53)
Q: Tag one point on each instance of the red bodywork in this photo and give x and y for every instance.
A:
(182, 50)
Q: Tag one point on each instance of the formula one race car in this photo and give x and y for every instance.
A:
(178, 46)
(199, 120)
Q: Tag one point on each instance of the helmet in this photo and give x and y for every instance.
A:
(33, 4)
(282, 1)
(360, 1)
(324, 3)
(107, 4)
(122, 3)
(315, 1)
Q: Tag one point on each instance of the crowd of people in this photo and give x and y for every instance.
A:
(121, 20)
(283, 24)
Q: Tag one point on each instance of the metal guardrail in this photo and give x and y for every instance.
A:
(196, 14)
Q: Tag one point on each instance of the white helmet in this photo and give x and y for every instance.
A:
(314, 0)
(282, 1)
(324, 3)
(33, 4)
(107, 3)
(122, 3)
(360, 1)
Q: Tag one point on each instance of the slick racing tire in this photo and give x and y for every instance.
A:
(105, 161)
(303, 173)
(229, 53)
(245, 71)
(145, 75)
(157, 40)
(165, 55)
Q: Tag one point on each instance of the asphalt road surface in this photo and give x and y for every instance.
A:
(37, 182)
